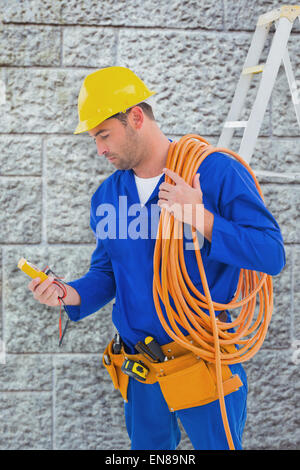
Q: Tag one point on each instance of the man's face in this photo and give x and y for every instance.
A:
(117, 143)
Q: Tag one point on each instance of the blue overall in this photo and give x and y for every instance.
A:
(245, 235)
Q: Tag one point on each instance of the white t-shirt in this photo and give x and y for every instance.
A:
(145, 187)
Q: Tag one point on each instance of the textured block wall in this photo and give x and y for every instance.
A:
(192, 53)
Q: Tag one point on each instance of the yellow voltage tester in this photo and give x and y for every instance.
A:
(31, 270)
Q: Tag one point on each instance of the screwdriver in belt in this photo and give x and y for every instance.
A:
(152, 349)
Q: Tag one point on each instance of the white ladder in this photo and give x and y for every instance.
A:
(284, 18)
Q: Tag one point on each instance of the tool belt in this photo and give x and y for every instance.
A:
(185, 380)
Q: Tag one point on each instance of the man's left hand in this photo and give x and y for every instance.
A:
(181, 199)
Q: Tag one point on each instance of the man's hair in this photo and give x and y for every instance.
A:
(123, 117)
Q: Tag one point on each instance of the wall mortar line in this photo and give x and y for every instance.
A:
(44, 193)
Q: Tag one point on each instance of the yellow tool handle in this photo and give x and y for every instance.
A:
(155, 348)
(31, 270)
(148, 339)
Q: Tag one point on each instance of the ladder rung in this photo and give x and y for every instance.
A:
(236, 124)
(255, 69)
(288, 11)
(278, 52)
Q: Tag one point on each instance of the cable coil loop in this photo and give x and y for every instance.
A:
(171, 278)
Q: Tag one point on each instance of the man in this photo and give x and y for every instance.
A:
(238, 232)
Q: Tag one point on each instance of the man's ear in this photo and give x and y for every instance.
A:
(136, 117)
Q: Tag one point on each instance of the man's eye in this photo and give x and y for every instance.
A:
(102, 136)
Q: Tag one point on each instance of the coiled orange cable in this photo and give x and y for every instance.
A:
(171, 278)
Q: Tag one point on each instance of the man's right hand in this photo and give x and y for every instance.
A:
(46, 292)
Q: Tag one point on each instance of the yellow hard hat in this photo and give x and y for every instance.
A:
(107, 92)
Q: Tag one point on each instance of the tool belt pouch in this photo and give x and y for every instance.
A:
(185, 381)
(188, 382)
(120, 380)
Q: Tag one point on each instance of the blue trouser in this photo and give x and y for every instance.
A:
(151, 426)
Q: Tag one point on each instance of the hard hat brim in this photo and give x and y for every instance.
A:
(84, 126)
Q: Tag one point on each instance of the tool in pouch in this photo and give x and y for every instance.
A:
(116, 348)
(136, 368)
(34, 272)
(151, 349)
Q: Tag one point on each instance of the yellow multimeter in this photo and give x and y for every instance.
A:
(31, 270)
(34, 272)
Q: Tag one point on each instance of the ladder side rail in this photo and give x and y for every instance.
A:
(254, 53)
(295, 91)
(269, 74)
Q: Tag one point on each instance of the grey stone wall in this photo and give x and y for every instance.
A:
(192, 53)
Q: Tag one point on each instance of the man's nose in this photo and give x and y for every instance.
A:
(101, 149)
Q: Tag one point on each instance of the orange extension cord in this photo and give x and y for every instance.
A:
(171, 278)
